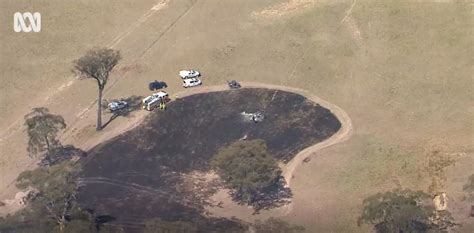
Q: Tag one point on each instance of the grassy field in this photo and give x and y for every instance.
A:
(406, 82)
(402, 70)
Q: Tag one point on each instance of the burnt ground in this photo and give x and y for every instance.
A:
(137, 175)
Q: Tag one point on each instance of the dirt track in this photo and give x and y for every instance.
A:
(390, 79)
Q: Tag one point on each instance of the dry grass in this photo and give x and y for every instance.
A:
(401, 70)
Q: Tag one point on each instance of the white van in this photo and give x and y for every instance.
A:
(191, 82)
(150, 102)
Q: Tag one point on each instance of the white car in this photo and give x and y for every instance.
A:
(117, 105)
(189, 74)
(191, 82)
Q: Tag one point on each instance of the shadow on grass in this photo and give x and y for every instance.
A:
(60, 154)
(134, 103)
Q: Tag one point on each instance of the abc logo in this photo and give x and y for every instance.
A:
(27, 22)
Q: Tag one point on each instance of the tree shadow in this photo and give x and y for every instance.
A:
(134, 103)
(97, 220)
(274, 196)
(60, 154)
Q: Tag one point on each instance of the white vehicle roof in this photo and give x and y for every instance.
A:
(116, 103)
(189, 80)
(154, 100)
(160, 94)
(188, 73)
(148, 98)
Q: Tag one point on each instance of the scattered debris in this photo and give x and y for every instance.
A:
(472, 211)
(255, 117)
(233, 84)
(307, 159)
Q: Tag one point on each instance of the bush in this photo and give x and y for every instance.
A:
(404, 211)
(247, 168)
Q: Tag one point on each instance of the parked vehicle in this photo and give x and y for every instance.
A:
(156, 85)
(151, 102)
(233, 84)
(117, 105)
(191, 82)
(189, 74)
(162, 95)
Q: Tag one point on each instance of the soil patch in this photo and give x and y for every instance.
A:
(142, 170)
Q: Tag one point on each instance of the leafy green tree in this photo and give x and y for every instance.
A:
(97, 64)
(57, 186)
(33, 220)
(42, 128)
(274, 225)
(404, 211)
(247, 168)
(26, 222)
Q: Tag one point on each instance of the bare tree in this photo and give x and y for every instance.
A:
(42, 129)
(97, 64)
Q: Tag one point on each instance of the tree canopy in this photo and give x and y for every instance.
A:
(247, 168)
(42, 128)
(404, 211)
(97, 64)
(57, 187)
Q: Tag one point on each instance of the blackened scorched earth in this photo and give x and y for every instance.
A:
(134, 176)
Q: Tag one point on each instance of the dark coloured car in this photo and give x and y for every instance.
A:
(233, 84)
(157, 85)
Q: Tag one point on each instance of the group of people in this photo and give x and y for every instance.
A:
(162, 105)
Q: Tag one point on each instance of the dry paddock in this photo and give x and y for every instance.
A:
(401, 70)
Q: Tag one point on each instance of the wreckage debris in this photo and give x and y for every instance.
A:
(255, 117)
